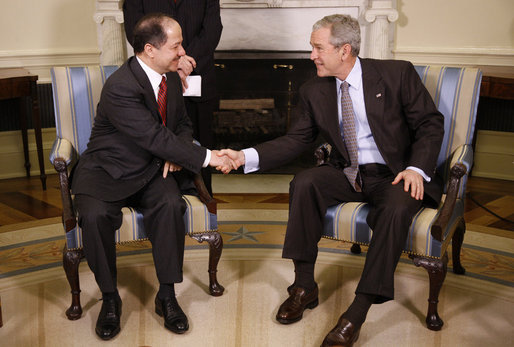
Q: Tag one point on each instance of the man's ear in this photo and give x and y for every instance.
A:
(148, 49)
(346, 51)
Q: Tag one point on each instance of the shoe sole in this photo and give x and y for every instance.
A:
(105, 338)
(310, 305)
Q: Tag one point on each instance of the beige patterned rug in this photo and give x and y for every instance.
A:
(477, 308)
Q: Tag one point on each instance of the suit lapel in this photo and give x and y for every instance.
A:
(374, 96)
(144, 82)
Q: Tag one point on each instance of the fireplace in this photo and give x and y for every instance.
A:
(258, 93)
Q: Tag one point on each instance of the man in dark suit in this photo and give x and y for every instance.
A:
(385, 133)
(201, 28)
(141, 133)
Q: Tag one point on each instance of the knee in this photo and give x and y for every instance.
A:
(173, 204)
(303, 181)
(89, 214)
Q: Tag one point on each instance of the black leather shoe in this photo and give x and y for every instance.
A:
(344, 334)
(174, 318)
(108, 323)
(299, 299)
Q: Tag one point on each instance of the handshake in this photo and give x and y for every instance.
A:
(224, 160)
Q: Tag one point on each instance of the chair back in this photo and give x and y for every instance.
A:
(455, 91)
(76, 92)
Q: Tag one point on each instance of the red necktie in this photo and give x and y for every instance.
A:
(162, 99)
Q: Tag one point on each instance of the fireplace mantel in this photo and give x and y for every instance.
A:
(285, 3)
(266, 25)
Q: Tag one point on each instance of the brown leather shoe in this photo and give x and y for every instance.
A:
(299, 299)
(344, 334)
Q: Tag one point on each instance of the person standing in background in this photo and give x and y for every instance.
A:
(201, 30)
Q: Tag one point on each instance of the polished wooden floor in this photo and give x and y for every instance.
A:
(489, 203)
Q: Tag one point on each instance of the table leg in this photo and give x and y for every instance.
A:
(23, 126)
(1, 322)
(36, 122)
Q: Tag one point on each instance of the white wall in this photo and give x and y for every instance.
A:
(40, 33)
(470, 32)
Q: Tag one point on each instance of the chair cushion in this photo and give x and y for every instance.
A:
(197, 219)
(347, 222)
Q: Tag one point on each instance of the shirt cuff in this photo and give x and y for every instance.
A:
(207, 158)
(251, 160)
(421, 172)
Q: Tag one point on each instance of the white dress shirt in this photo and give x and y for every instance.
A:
(155, 80)
(367, 148)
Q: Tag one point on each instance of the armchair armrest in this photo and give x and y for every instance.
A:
(61, 156)
(463, 155)
(68, 215)
(461, 162)
(62, 149)
(203, 193)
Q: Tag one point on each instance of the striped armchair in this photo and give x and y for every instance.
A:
(76, 92)
(455, 92)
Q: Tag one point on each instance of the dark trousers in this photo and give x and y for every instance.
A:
(392, 209)
(162, 207)
(201, 115)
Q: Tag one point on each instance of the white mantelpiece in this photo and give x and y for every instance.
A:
(268, 25)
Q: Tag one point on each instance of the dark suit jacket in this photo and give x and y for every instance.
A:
(128, 142)
(201, 30)
(406, 125)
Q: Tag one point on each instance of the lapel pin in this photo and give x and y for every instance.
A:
(378, 95)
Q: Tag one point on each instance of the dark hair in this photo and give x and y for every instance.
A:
(150, 29)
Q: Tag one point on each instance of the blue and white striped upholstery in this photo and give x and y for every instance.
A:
(455, 92)
(76, 92)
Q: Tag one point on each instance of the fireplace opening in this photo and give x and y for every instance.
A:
(257, 100)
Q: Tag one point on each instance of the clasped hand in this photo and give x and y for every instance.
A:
(226, 160)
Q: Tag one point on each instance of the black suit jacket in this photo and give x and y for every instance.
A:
(201, 30)
(406, 125)
(128, 141)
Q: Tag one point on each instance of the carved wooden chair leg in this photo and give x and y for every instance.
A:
(457, 239)
(436, 269)
(356, 248)
(71, 261)
(215, 247)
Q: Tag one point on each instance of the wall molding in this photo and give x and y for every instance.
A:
(286, 3)
(492, 61)
(40, 61)
(494, 155)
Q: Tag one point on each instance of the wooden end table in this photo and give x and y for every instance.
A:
(18, 83)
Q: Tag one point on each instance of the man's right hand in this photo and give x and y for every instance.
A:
(237, 157)
(222, 163)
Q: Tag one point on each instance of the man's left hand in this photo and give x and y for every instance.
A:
(170, 167)
(413, 181)
(186, 64)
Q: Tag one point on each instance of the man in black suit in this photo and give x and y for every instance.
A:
(141, 133)
(201, 28)
(385, 133)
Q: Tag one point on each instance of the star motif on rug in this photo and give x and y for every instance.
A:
(243, 234)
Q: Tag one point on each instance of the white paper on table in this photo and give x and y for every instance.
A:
(194, 86)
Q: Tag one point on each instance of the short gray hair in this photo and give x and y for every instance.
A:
(344, 29)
